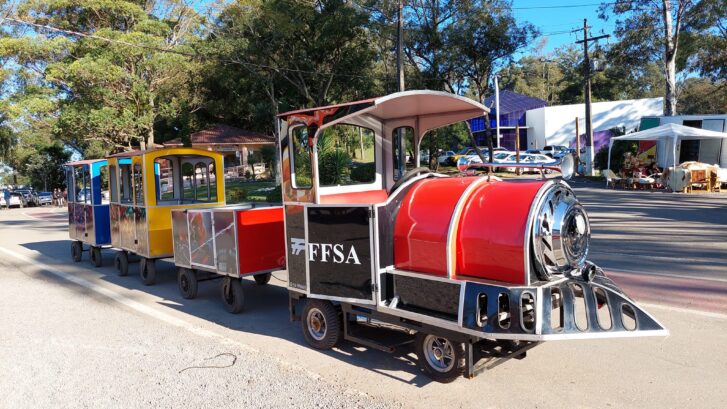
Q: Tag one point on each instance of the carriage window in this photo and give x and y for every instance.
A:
(301, 158)
(213, 182)
(188, 182)
(164, 179)
(104, 181)
(203, 182)
(346, 156)
(127, 195)
(113, 183)
(138, 186)
(78, 178)
(69, 184)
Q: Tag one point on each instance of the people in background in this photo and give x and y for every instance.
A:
(654, 168)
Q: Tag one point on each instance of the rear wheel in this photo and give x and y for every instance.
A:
(96, 256)
(76, 251)
(187, 281)
(439, 358)
(322, 326)
(262, 279)
(121, 262)
(233, 297)
(147, 271)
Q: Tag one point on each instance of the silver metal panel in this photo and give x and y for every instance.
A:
(201, 239)
(225, 242)
(180, 238)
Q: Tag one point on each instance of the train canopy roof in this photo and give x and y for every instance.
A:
(433, 109)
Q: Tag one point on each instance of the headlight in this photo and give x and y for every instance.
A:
(561, 233)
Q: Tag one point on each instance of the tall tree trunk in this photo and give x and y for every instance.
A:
(671, 37)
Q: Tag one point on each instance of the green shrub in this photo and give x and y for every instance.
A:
(364, 173)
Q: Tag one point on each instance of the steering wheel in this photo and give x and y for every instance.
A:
(410, 175)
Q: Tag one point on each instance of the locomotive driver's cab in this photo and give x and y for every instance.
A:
(342, 166)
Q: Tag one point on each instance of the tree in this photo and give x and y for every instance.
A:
(707, 27)
(113, 70)
(45, 167)
(702, 96)
(650, 30)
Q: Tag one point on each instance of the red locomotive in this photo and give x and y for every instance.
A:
(474, 266)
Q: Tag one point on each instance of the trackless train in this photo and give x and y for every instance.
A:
(474, 269)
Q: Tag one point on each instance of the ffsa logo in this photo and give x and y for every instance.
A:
(325, 252)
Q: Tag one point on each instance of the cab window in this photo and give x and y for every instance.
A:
(300, 156)
(346, 156)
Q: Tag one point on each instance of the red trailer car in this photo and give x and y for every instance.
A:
(229, 243)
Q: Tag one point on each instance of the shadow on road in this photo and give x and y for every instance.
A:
(265, 313)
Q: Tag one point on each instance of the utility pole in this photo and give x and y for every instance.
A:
(400, 46)
(587, 92)
(400, 140)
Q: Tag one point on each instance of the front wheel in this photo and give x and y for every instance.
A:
(322, 326)
(187, 281)
(262, 279)
(439, 358)
(233, 297)
(147, 271)
(76, 251)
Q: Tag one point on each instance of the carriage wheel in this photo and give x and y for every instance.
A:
(439, 358)
(96, 256)
(322, 326)
(76, 251)
(121, 262)
(187, 281)
(262, 279)
(147, 271)
(232, 295)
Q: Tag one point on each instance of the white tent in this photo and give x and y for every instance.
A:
(670, 133)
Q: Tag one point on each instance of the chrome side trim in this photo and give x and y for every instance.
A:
(534, 206)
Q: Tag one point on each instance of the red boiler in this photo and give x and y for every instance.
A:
(474, 227)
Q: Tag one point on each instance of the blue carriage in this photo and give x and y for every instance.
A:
(88, 208)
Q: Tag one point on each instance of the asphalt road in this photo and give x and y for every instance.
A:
(75, 336)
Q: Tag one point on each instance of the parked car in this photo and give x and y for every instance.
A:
(31, 198)
(45, 198)
(557, 151)
(445, 157)
(17, 199)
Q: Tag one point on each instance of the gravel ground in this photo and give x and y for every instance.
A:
(63, 346)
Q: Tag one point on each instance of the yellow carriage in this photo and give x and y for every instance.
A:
(145, 186)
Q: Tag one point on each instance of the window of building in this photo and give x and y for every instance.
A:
(301, 157)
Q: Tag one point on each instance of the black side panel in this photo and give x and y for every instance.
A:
(295, 244)
(339, 246)
(427, 296)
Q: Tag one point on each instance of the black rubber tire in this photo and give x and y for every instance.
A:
(436, 374)
(187, 283)
(233, 297)
(147, 271)
(96, 258)
(121, 262)
(330, 325)
(262, 279)
(76, 251)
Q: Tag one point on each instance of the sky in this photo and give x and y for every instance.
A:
(559, 20)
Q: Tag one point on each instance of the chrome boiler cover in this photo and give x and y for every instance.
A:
(561, 233)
